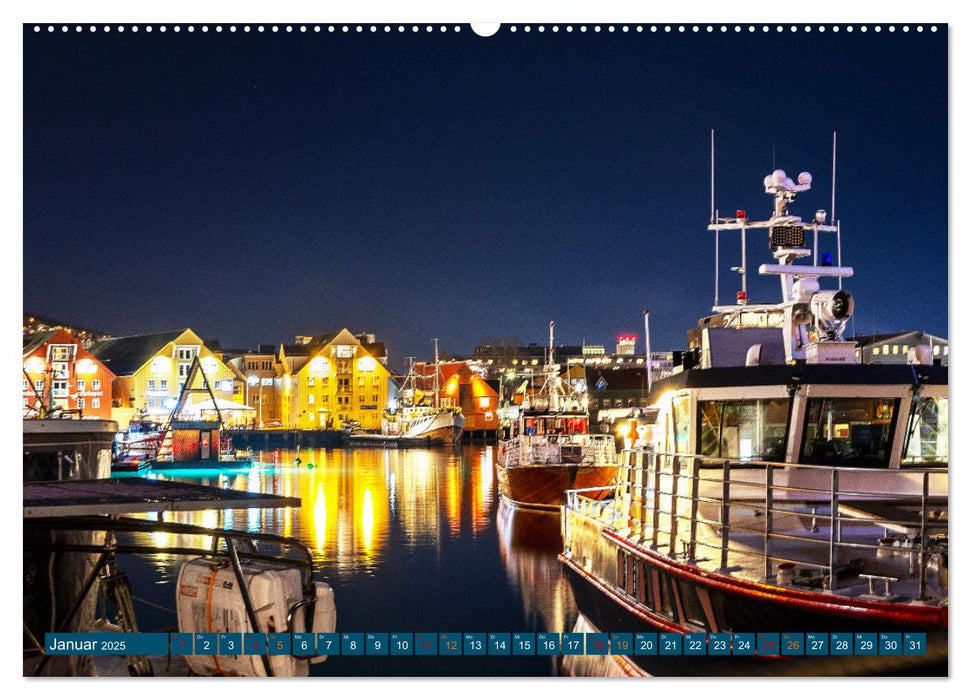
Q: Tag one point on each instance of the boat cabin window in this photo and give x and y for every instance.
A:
(927, 432)
(743, 430)
(680, 407)
(555, 425)
(849, 431)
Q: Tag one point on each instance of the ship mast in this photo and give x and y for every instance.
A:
(436, 373)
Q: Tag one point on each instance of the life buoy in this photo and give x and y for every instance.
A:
(605, 427)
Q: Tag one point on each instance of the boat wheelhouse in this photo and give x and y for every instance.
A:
(551, 449)
(782, 487)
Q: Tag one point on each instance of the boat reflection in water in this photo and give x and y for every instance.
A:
(529, 541)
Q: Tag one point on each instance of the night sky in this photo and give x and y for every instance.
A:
(257, 186)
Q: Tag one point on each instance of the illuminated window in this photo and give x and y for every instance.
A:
(310, 416)
(483, 402)
(896, 349)
(61, 352)
(60, 370)
(535, 362)
(904, 349)
(374, 379)
(310, 398)
(310, 381)
(886, 349)
(876, 351)
(937, 350)
(267, 381)
(945, 349)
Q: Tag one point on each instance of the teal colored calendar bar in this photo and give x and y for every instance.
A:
(309, 644)
(107, 644)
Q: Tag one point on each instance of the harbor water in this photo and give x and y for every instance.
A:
(411, 541)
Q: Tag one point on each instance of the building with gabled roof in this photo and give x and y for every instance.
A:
(59, 373)
(151, 369)
(335, 378)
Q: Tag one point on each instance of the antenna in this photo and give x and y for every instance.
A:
(712, 176)
(832, 201)
(551, 342)
(647, 348)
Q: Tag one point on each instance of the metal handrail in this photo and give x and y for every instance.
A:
(663, 507)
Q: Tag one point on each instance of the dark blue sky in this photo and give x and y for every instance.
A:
(257, 186)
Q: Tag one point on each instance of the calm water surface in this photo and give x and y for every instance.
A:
(411, 541)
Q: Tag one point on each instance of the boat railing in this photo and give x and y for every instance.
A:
(551, 449)
(820, 523)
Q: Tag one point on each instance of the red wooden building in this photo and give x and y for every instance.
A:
(460, 386)
(59, 373)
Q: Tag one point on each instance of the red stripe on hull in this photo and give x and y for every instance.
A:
(915, 615)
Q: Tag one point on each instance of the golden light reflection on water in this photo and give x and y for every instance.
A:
(354, 501)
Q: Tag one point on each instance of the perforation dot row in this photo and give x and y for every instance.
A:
(400, 28)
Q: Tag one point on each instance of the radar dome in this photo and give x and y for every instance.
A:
(805, 179)
(779, 177)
